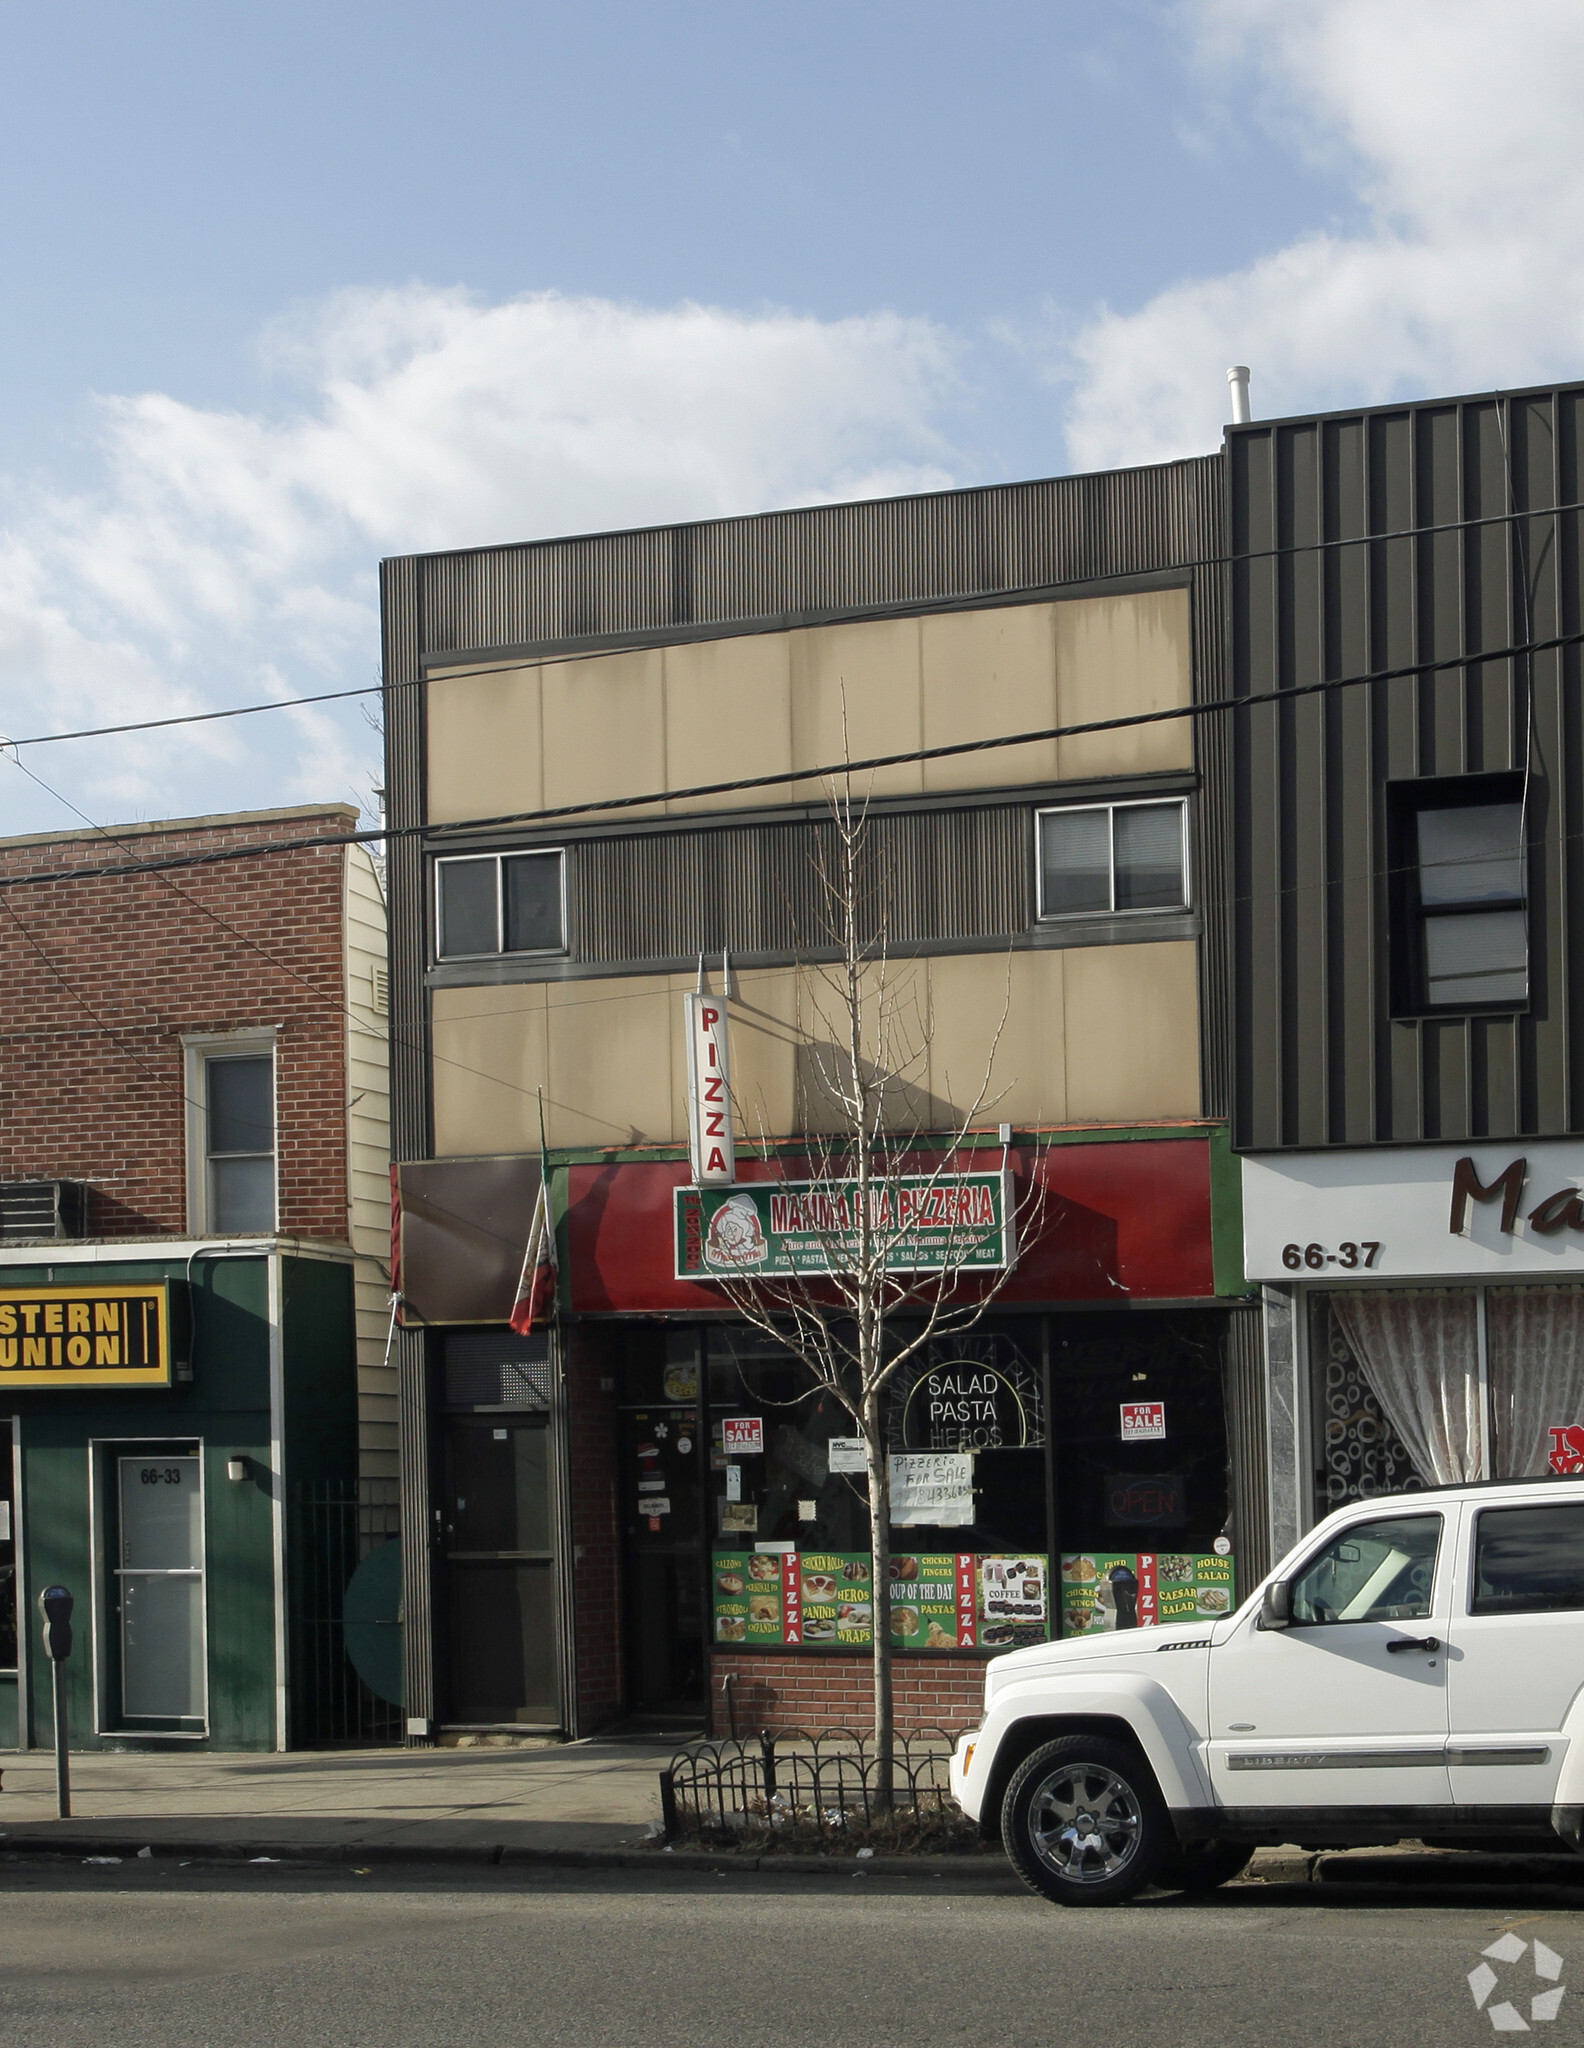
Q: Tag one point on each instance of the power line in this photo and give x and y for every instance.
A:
(779, 777)
(751, 628)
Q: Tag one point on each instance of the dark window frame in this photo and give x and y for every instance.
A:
(1489, 1604)
(1043, 916)
(499, 857)
(1408, 915)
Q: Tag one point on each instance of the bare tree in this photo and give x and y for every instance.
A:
(873, 1146)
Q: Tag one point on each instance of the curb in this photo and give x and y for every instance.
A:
(1388, 1871)
(496, 1855)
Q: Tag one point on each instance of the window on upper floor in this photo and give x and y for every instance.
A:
(231, 1125)
(1461, 930)
(1101, 859)
(494, 903)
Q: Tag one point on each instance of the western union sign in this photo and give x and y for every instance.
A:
(115, 1336)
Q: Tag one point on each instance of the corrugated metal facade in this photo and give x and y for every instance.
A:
(830, 560)
(1320, 589)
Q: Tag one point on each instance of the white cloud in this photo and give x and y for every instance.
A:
(230, 556)
(1460, 122)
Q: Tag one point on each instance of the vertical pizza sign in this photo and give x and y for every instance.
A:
(712, 1146)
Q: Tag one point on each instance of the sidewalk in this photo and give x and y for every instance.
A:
(580, 1803)
(579, 1796)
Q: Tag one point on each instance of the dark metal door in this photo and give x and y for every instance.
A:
(499, 1564)
(662, 1459)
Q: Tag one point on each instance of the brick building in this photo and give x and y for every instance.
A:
(194, 1210)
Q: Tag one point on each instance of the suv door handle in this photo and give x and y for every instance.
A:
(1415, 1643)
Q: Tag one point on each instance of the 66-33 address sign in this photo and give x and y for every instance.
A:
(1317, 1257)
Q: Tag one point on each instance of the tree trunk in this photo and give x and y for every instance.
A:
(880, 1608)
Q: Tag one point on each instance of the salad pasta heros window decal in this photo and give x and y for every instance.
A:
(940, 1600)
(97, 1336)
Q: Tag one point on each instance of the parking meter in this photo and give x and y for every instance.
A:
(55, 1604)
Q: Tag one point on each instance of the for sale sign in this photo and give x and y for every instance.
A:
(742, 1436)
(1143, 1421)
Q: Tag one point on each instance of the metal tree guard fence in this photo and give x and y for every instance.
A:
(332, 1528)
(800, 1785)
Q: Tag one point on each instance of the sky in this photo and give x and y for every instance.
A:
(286, 290)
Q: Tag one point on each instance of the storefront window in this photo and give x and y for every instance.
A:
(1433, 1385)
(1006, 1528)
(1140, 1471)
(1357, 1453)
(1535, 1339)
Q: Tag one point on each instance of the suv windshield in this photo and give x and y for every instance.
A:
(1375, 1571)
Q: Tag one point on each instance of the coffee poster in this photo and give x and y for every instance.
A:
(940, 1600)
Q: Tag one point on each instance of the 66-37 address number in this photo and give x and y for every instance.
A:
(1316, 1256)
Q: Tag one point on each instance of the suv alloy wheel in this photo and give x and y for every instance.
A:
(1083, 1822)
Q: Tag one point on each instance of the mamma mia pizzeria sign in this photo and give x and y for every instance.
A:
(932, 1223)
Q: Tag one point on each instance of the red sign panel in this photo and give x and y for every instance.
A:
(1121, 1221)
(742, 1436)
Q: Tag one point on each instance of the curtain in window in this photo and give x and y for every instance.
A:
(1420, 1354)
(1536, 1338)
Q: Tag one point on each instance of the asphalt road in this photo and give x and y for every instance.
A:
(152, 1954)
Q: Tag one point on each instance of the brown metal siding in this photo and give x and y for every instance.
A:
(797, 567)
(754, 889)
(1319, 1060)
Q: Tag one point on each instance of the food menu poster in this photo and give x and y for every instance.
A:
(941, 1600)
(1138, 1588)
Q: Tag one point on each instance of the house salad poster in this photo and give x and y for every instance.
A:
(1138, 1588)
(940, 1600)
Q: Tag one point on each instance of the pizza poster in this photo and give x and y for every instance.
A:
(1103, 1590)
(940, 1600)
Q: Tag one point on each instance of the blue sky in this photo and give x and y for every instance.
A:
(288, 289)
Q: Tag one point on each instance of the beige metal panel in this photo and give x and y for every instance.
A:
(1132, 1031)
(368, 1157)
(484, 744)
(1116, 656)
(874, 668)
(614, 1060)
(728, 712)
(986, 673)
(975, 996)
(765, 1014)
(604, 728)
(488, 1062)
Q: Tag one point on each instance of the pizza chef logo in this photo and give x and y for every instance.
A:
(735, 1236)
(1504, 2014)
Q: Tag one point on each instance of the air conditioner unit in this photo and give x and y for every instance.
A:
(34, 1209)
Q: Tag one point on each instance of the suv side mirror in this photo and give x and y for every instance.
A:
(1276, 1607)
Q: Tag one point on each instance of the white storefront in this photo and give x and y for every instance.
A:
(1424, 1317)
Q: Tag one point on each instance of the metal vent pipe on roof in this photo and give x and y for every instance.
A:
(1238, 378)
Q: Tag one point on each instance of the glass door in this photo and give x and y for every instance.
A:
(160, 1587)
(504, 1663)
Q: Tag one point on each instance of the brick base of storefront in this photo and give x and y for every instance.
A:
(774, 1694)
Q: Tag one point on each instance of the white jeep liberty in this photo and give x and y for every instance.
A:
(1414, 1668)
